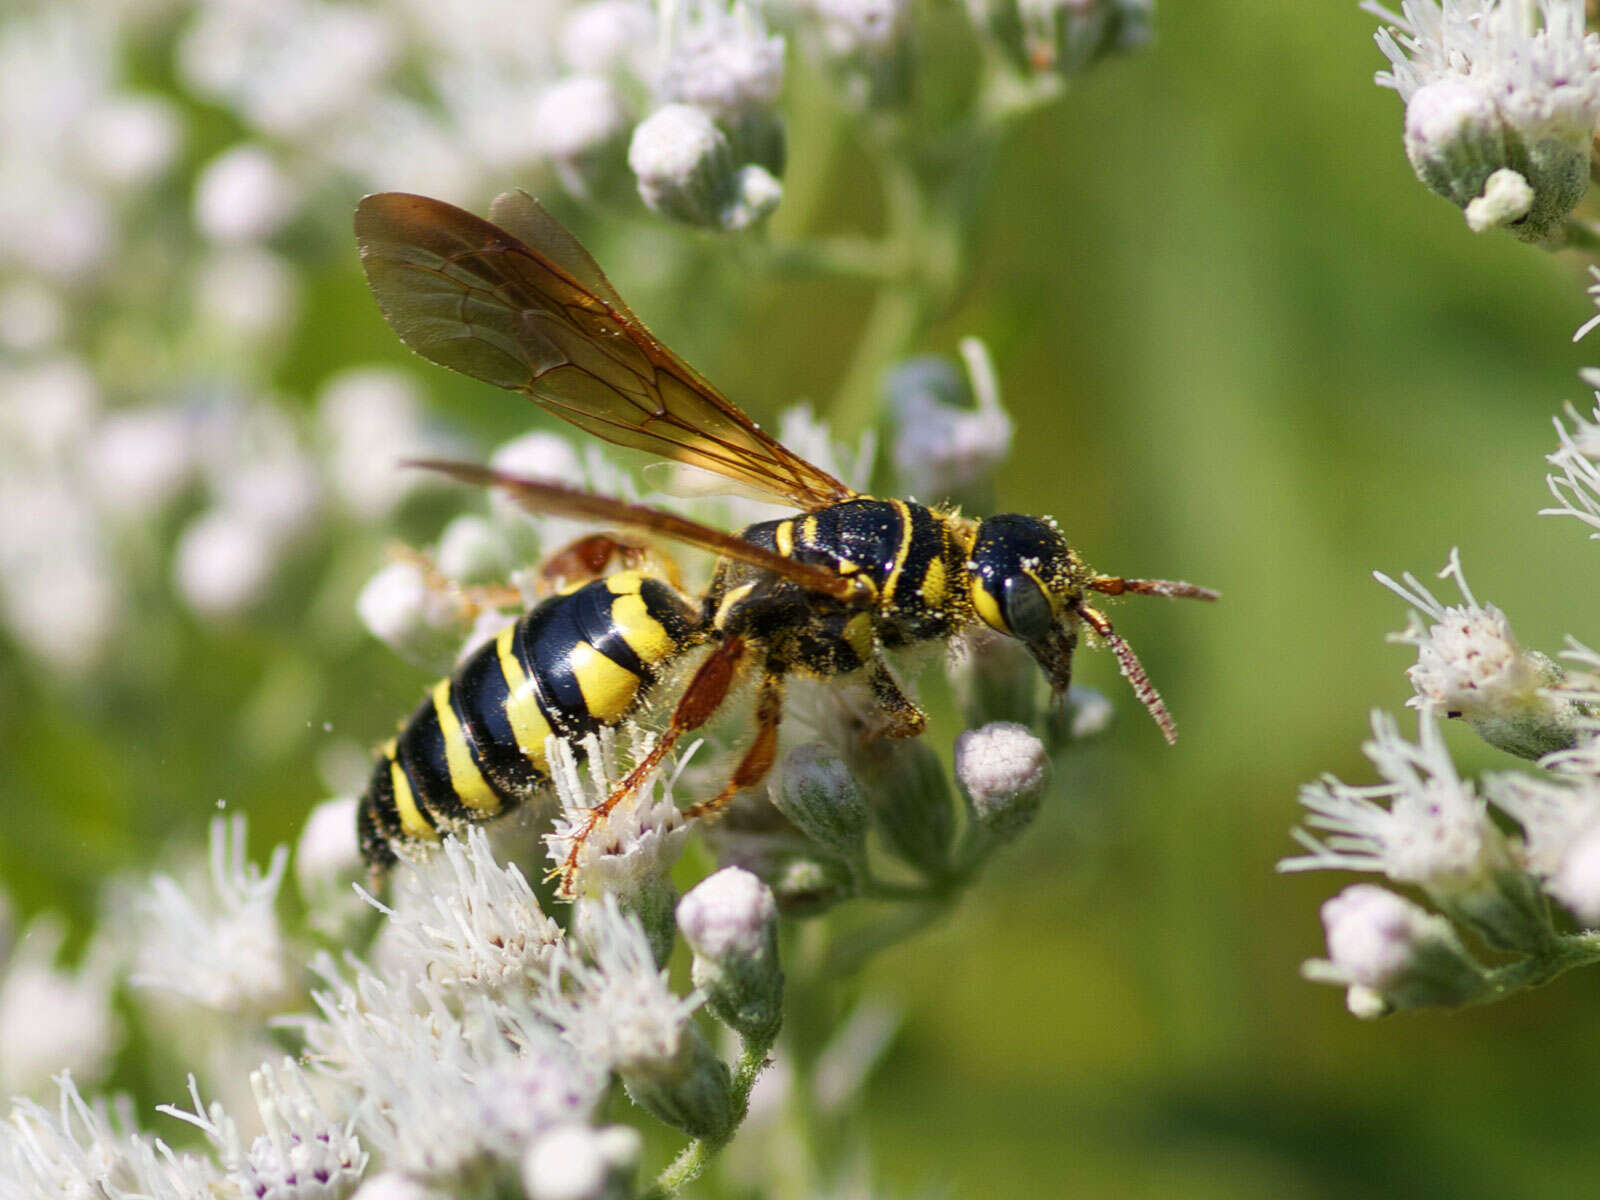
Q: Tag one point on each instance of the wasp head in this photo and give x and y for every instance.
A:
(1026, 581)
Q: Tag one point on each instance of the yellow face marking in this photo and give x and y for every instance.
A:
(987, 607)
(528, 725)
(412, 822)
(933, 583)
(608, 690)
(645, 636)
(470, 786)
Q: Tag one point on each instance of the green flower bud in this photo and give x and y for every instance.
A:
(817, 792)
(730, 920)
(692, 1092)
(912, 804)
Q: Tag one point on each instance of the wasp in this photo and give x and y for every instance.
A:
(516, 301)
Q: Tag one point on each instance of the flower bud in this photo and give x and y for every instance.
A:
(730, 920)
(1454, 138)
(1391, 954)
(1576, 882)
(817, 792)
(693, 1091)
(471, 550)
(1004, 769)
(1065, 36)
(727, 66)
(911, 800)
(421, 623)
(583, 127)
(577, 1162)
(686, 171)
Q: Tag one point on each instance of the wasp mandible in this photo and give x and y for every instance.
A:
(516, 301)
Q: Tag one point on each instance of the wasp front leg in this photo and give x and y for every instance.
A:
(472, 599)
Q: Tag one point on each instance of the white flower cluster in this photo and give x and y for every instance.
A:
(1425, 826)
(1502, 99)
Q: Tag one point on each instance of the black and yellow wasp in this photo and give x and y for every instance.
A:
(517, 302)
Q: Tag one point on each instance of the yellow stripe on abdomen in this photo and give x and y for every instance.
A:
(522, 703)
(468, 782)
(412, 822)
(608, 689)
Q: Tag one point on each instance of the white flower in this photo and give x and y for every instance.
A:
(224, 563)
(373, 420)
(420, 618)
(576, 1162)
(730, 920)
(606, 37)
(1391, 954)
(1470, 665)
(139, 460)
(438, 1095)
(721, 60)
(243, 195)
(583, 125)
(80, 1152)
(466, 923)
(1493, 87)
(633, 847)
(52, 1019)
(943, 446)
(303, 1153)
(224, 950)
(327, 863)
(612, 1001)
(246, 291)
(1434, 832)
(1576, 485)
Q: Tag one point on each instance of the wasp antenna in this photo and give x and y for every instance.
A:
(1133, 670)
(1175, 589)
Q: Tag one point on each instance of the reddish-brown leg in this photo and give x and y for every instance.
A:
(703, 696)
(758, 759)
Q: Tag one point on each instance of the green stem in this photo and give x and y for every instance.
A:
(699, 1154)
(1565, 953)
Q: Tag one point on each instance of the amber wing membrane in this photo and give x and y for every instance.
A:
(539, 496)
(521, 304)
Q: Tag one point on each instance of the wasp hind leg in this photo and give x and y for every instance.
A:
(763, 751)
(704, 695)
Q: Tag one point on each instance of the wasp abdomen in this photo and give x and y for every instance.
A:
(476, 745)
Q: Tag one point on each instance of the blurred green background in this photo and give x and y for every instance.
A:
(1241, 346)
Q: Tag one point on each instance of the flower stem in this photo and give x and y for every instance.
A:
(1566, 952)
(699, 1154)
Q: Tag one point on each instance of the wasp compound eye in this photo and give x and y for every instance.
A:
(1027, 609)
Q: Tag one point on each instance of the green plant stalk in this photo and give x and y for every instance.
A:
(699, 1154)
